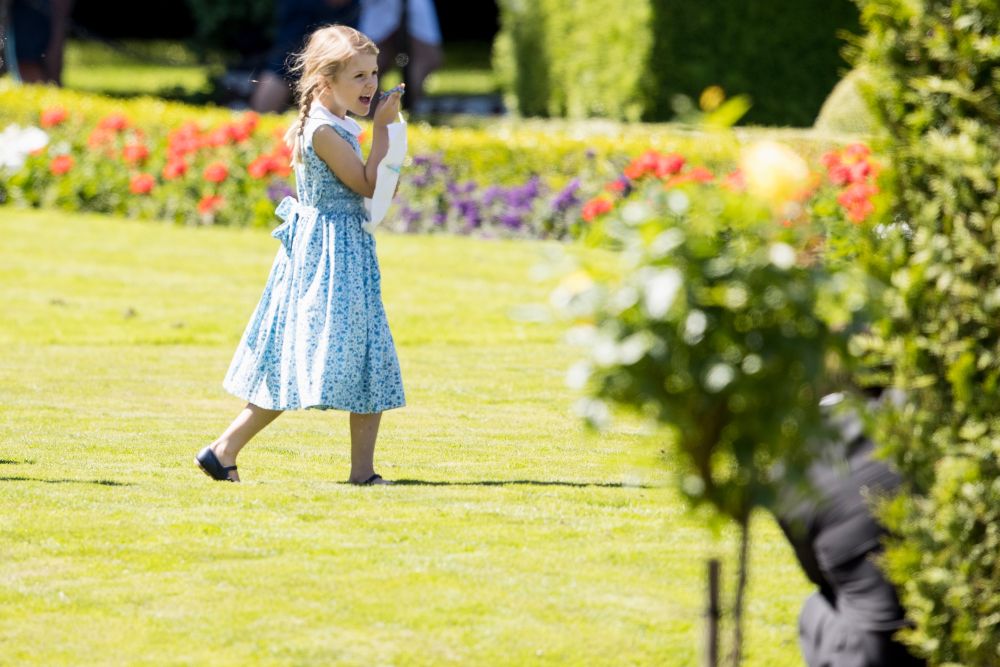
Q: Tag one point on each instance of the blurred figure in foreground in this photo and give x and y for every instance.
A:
(36, 34)
(295, 20)
(851, 620)
(418, 48)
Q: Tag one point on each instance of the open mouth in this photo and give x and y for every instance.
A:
(366, 99)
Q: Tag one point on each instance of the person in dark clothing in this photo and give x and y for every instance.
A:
(295, 20)
(37, 29)
(851, 620)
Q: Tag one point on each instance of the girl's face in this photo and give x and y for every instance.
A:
(353, 88)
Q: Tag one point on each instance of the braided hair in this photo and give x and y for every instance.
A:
(326, 52)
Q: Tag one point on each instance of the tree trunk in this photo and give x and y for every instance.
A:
(736, 657)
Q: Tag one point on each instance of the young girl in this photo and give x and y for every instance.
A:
(319, 336)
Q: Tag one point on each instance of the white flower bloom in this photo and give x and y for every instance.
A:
(17, 142)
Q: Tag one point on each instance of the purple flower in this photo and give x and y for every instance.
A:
(491, 194)
(456, 189)
(523, 196)
(278, 190)
(469, 209)
(410, 216)
(439, 218)
(511, 220)
(567, 198)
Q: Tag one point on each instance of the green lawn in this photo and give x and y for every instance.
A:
(173, 70)
(515, 536)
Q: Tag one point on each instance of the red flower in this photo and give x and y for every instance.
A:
(696, 175)
(261, 166)
(217, 137)
(595, 207)
(53, 116)
(115, 122)
(617, 185)
(856, 199)
(141, 184)
(642, 165)
(735, 181)
(134, 153)
(216, 172)
(174, 169)
(61, 164)
(99, 137)
(250, 119)
(209, 204)
(857, 151)
(238, 132)
(668, 165)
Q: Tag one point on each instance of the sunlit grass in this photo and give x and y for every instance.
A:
(511, 540)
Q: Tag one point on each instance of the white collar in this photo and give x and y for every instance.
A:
(319, 112)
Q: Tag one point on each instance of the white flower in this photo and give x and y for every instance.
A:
(17, 142)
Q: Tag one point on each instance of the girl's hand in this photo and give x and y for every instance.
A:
(387, 110)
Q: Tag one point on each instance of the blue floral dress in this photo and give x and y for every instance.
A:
(319, 337)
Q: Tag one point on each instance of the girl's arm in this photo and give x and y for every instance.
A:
(345, 164)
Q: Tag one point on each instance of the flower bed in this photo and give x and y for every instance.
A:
(150, 159)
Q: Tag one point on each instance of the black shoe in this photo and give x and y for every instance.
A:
(370, 481)
(211, 466)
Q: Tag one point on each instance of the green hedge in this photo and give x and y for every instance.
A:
(232, 24)
(934, 65)
(628, 60)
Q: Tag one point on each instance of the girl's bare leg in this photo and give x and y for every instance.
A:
(247, 424)
(364, 431)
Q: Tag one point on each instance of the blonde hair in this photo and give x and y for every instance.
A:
(326, 52)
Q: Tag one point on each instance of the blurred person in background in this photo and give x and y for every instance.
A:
(417, 49)
(35, 32)
(852, 619)
(295, 20)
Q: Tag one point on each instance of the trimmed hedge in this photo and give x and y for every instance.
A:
(846, 109)
(933, 66)
(629, 60)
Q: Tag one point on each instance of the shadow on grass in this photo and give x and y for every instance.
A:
(15, 462)
(101, 482)
(519, 482)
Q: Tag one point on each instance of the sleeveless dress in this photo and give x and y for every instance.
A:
(319, 337)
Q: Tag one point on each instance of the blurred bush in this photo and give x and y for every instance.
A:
(561, 58)
(933, 66)
(630, 61)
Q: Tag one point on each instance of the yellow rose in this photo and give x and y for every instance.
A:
(774, 173)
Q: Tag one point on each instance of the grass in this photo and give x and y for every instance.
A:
(140, 68)
(173, 70)
(511, 538)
